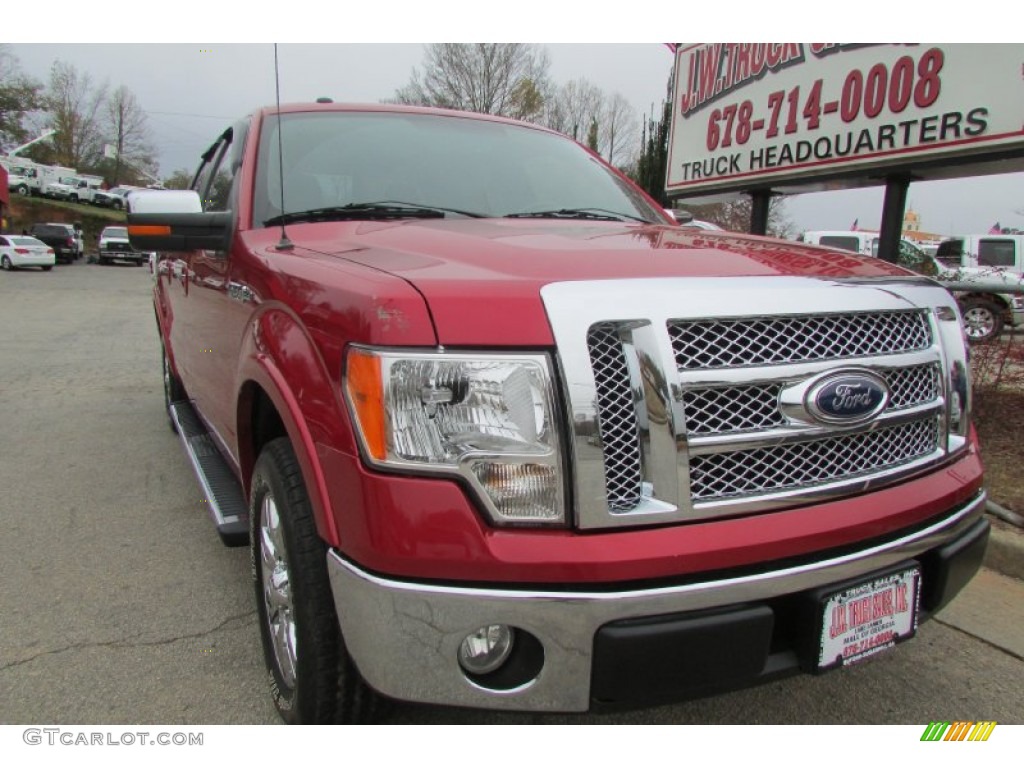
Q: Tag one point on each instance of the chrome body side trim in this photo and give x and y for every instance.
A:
(404, 636)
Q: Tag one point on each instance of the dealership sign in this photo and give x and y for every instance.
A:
(750, 115)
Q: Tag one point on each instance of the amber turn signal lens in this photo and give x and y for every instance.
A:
(366, 393)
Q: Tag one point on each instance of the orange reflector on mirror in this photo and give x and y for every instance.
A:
(141, 230)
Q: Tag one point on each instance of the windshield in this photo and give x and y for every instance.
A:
(463, 166)
(115, 232)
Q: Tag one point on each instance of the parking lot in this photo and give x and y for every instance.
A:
(120, 605)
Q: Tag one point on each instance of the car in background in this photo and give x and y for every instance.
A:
(992, 252)
(84, 189)
(65, 239)
(984, 308)
(113, 245)
(18, 251)
(58, 189)
(117, 197)
(856, 241)
(685, 219)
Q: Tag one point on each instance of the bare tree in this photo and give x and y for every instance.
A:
(129, 134)
(735, 215)
(74, 106)
(19, 96)
(574, 107)
(618, 131)
(507, 79)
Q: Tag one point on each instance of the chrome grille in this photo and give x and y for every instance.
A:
(913, 386)
(720, 410)
(727, 343)
(688, 397)
(714, 410)
(617, 418)
(772, 469)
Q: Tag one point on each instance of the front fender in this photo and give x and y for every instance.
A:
(279, 359)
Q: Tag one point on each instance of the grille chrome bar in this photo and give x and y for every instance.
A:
(754, 407)
(765, 470)
(732, 342)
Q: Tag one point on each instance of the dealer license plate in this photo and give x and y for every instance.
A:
(860, 621)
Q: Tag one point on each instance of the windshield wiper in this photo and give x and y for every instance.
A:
(592, 214)
(386, 209)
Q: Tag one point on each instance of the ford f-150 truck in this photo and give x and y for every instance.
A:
(499, 434)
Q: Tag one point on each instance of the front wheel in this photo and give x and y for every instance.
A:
(983, 319)
(312, 679)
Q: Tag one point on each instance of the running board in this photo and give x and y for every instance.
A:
(224, 497)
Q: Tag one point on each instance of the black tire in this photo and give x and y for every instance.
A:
(5, 264)
(983, 319)
(103, 261)
(22, 190)
(173, 389)
(311, 677)
(47, 268)
(118, 205)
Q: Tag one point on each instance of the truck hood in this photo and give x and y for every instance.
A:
(482, 278)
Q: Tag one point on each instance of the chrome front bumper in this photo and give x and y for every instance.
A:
(404, 637)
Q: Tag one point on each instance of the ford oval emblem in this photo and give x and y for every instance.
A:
(849, 397)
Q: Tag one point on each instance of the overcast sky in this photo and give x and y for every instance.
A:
(192, 91)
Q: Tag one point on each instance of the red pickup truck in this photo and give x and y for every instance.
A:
(501, 434)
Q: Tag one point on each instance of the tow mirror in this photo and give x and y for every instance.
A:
(174, 220)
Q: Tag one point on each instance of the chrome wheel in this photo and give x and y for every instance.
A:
(277, 594)
(980, 322)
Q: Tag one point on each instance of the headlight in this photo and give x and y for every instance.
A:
(487, 418)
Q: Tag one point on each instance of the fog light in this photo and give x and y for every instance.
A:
(486, 649)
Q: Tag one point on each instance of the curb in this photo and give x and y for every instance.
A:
(1005, 551)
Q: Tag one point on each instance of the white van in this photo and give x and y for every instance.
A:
(1004, 252)
(864, 243)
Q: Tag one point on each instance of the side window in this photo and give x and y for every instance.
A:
(996, 253)
(845, 242)
(208, 170)
(949, 252)
(202, 177)
(215, 180)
